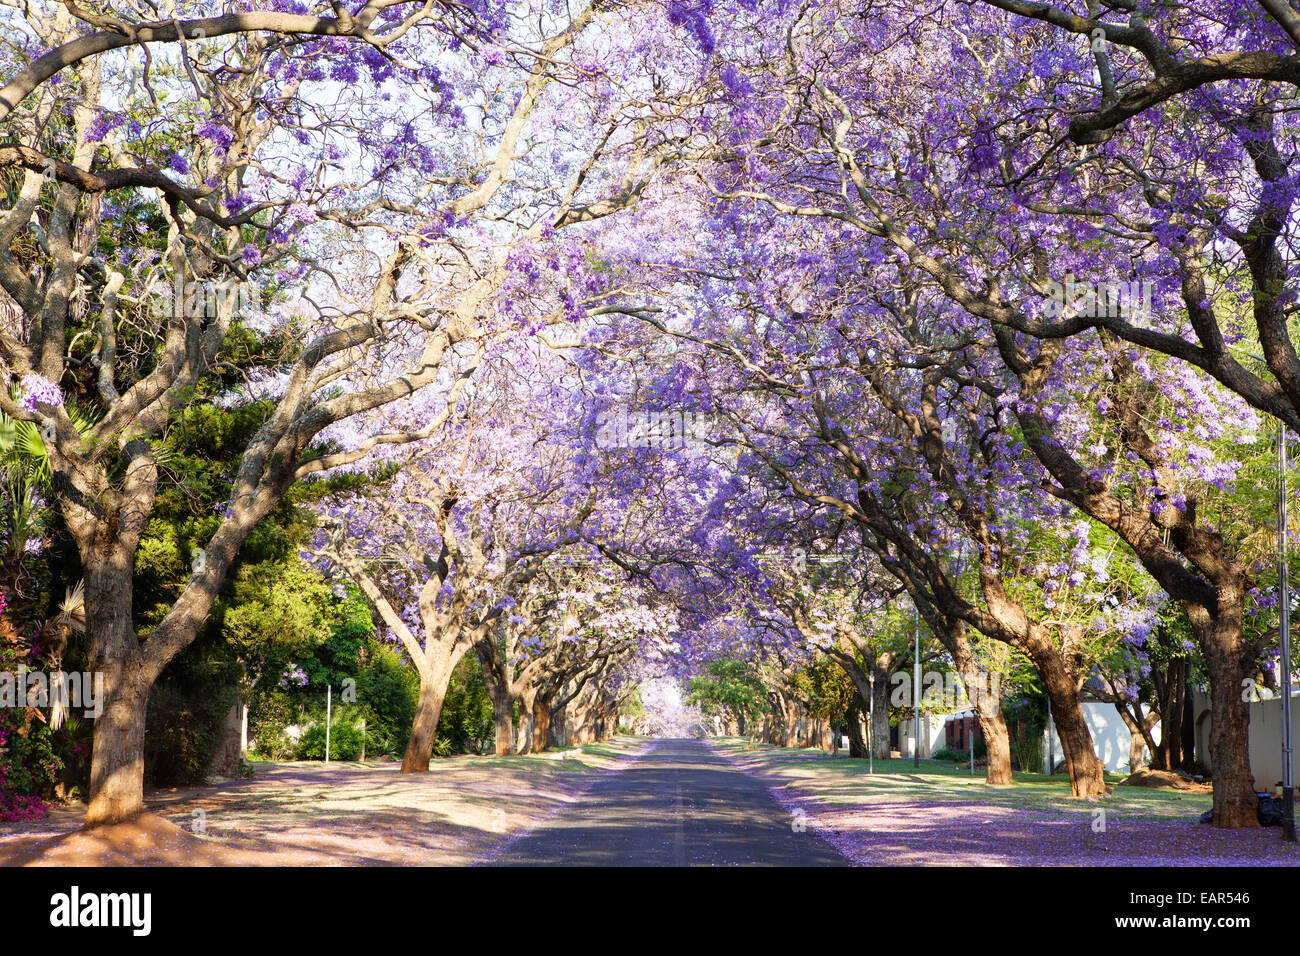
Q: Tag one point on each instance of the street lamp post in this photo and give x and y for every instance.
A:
(871, 732)
(1284, 627)
(916, 693)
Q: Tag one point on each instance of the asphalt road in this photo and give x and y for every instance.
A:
(677, 805)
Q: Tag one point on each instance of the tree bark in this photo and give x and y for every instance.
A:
(503, 711)
(441, 658)
(997, 741)
(987, 703)
(1137, 744)
(419, 747)
(830, 739)
(117, 754)
(1189, 732)
(1168, 756)
(857, 732)
(879, 724)
(1235, 803)
(541, 723)
(524, 736)
(1085, 769)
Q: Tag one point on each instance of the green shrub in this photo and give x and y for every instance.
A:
(466, 715)
(181, 734)
(953, 755)
(387, 691)
(28, 767)
(187, 711)
(72, 744)
(345, 742)
(981, 748)
(1026, 717)
(1028, 753)
(270, 742)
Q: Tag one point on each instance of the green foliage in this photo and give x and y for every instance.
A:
(29, 766)
(345, 740)
(1026, 717)
(181, 728)
(338, 656)
(826, 689)
(466, 715)
(275, 614)
(72, 745)
(731, 686)
(945, 753)
(387, 691)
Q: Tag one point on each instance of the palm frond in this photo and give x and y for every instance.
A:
(72, 612)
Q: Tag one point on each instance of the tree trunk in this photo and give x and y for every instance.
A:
(1235, 803)
(986, 699)
(541, 722)
(997, 741)
(880, 719)
(1168, 755)
(117, 754)
(1188, 762)
(559, 735)
(830, 739)
(524, 736)
(1085, 770)
(503, 709)
(791, 732)
(857, 731)
(1137, 744)
(419, 747)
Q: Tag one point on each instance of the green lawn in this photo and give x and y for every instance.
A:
(841, 780)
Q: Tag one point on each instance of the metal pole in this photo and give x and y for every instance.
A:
(916, 692)
(329, 709)
(871, 731)
(970, 742)
(1284, 602)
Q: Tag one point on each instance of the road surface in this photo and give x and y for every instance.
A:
(677, 804)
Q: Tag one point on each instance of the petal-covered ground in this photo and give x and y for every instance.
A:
(307, 814)
(933, 816)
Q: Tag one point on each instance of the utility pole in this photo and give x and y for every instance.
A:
(1284, 605)
(329, 708)
(916, 692)
(871, 733)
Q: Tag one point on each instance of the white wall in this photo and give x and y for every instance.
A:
(1266, 740)
(932, 734)
(1265, 736)
(1110, 737)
